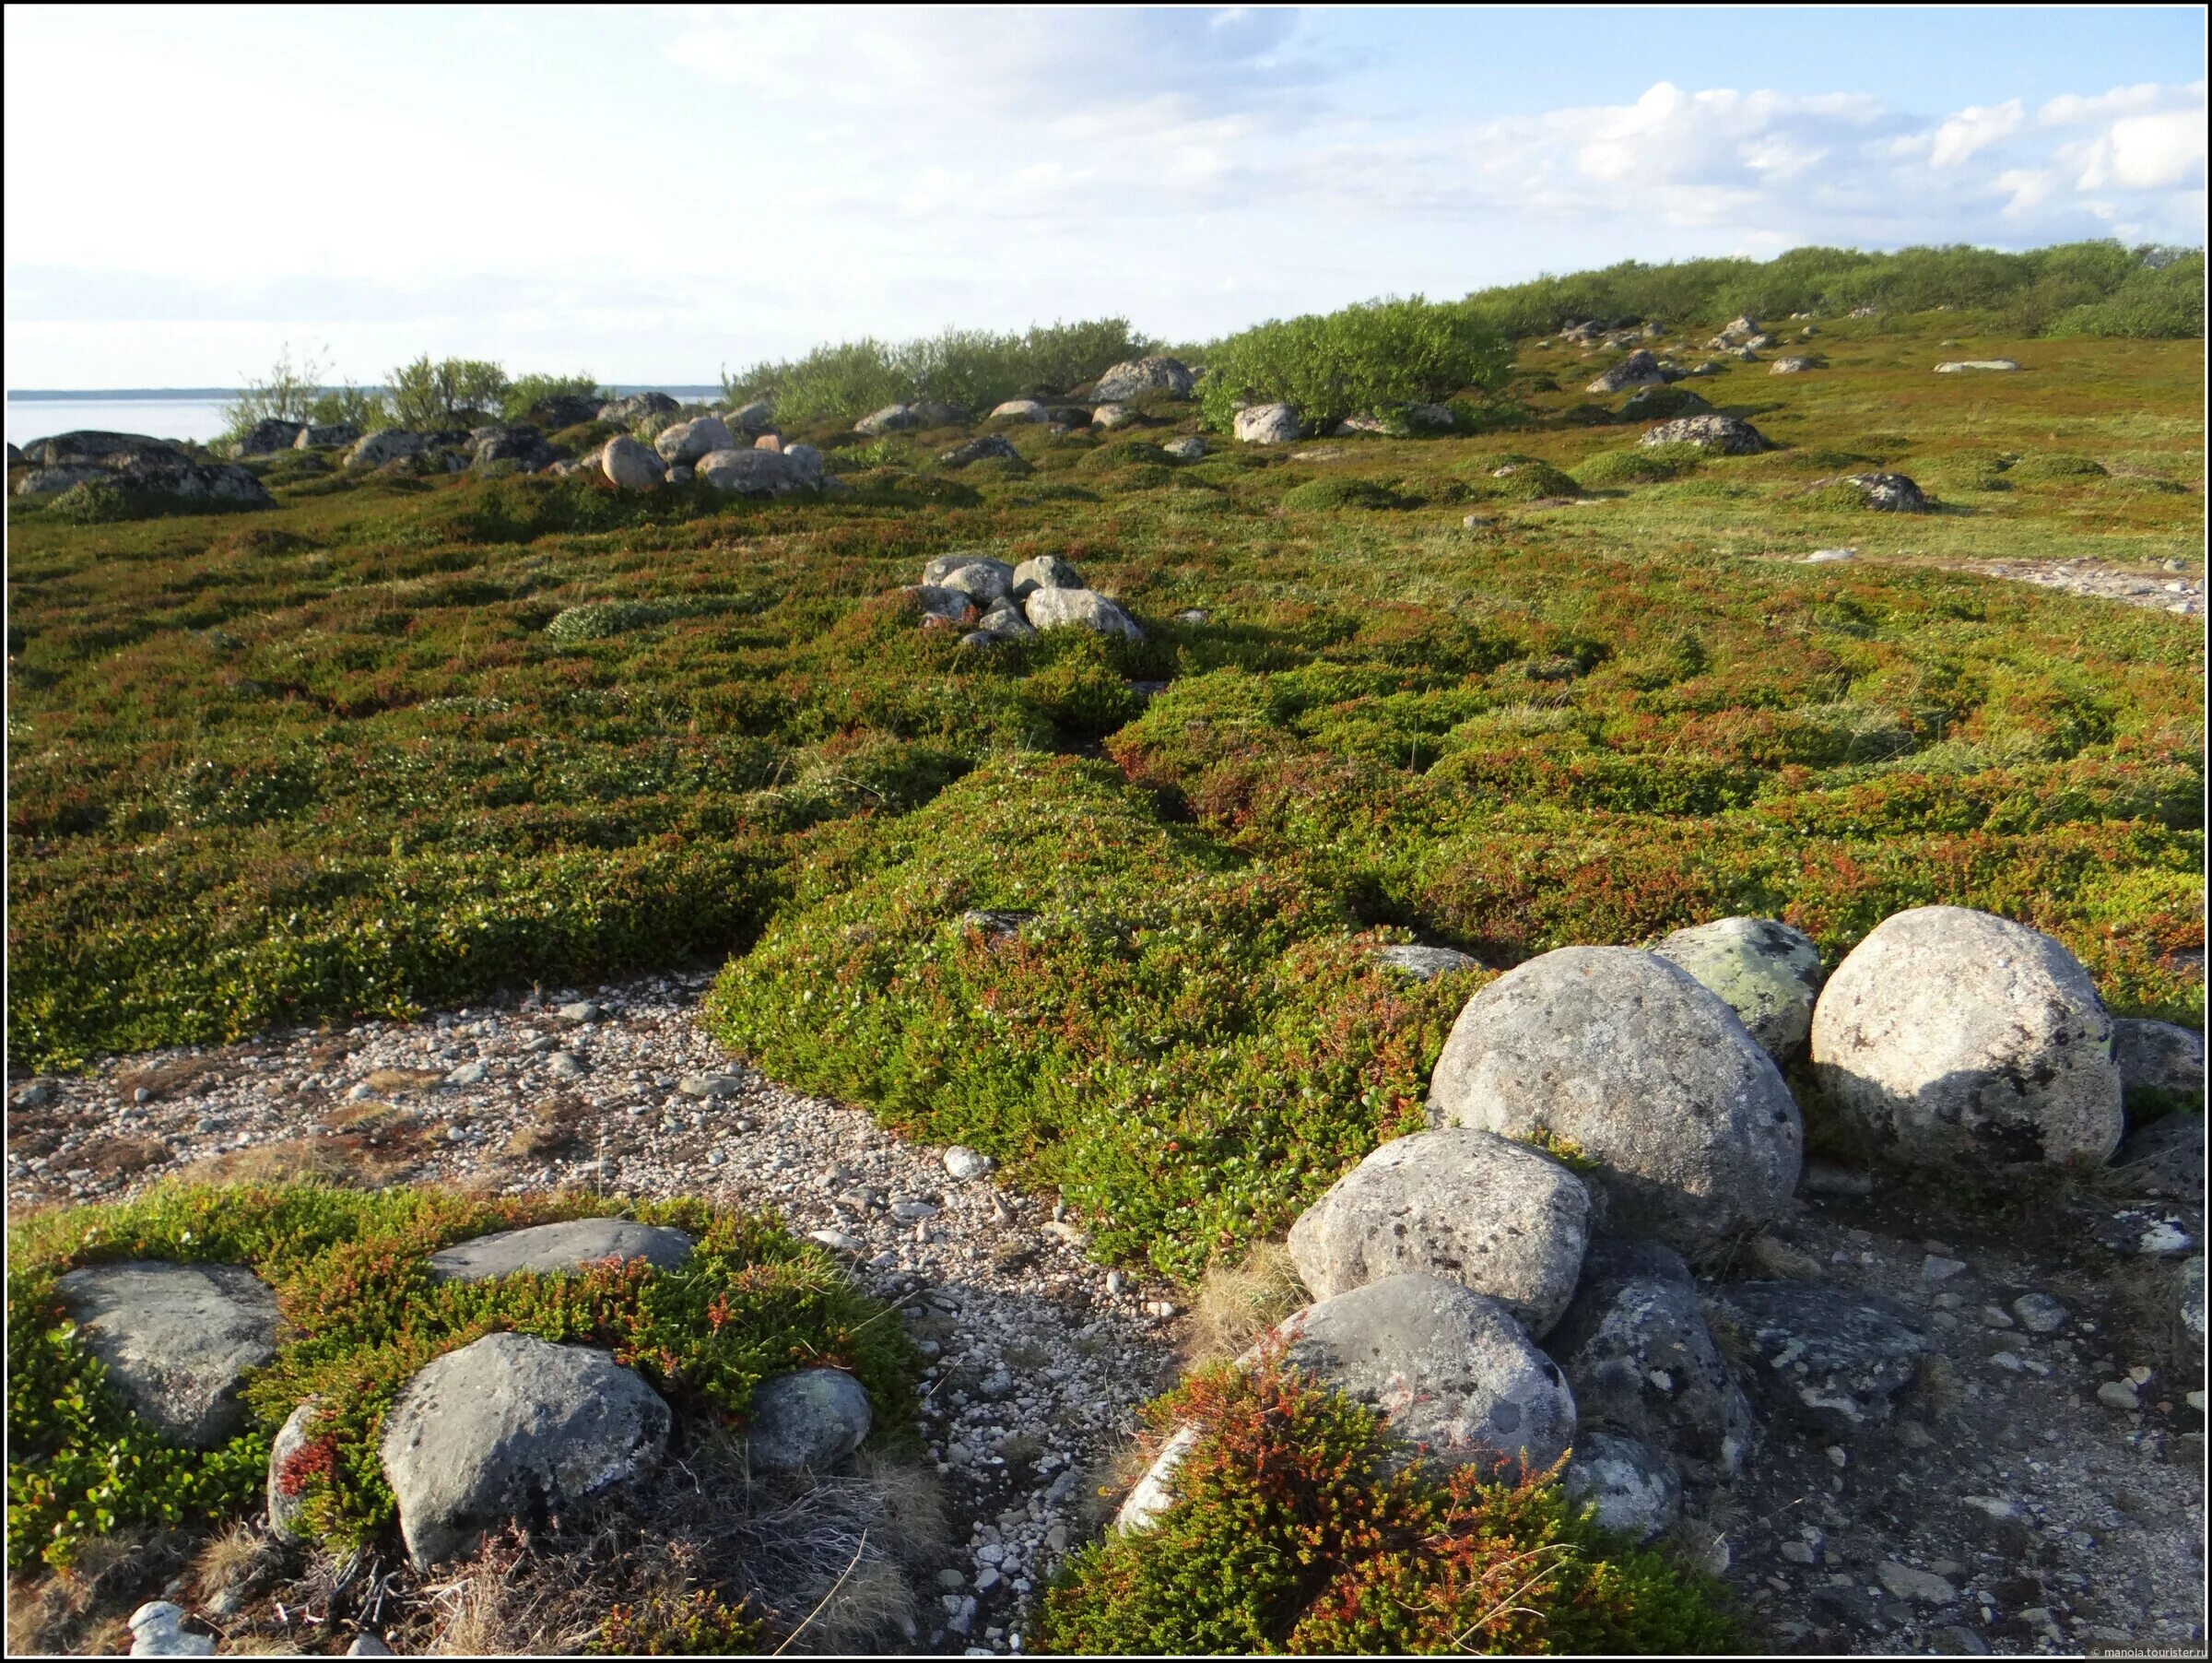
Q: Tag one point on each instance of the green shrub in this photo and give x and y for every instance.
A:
(429, 396)
(364, 1315)
(1124, 453)
(2043, 467)
(1646, 465)
(1292, 1532)
(526, 393)
(604, 620)
(94, 502)
(1526, 482)
(2155, 302)
(1366, 357)
(1322, 496)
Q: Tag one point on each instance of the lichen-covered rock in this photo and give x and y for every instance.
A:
(1153, 373)
(1268, 424)
(1649, 1074)
(810, 1417)
(1640, 368)
(637, 407)
(1460, 1381)
(1888, 493)
(2158, 1056)
(386, 444)
(1078, 609)
(1045, 572)
(1107, 416)
(694, 440)
(157, 1631)
(554, 1249)
(2166, 1157)
(1642, 1361)
(1764, 971)
(177, 1341)
(1155, 1493)
(1462, 1205)
(751, 472)
(517, 442)
(1794, 366)
(1424, 964)
(753, 419)
(985, 447)
(316, 436)
(511, 1426)
(630, 466)
(1020, 409)
(1629, 1486)
(285, 1506)
(983, 580)
(1730, 435)
(1189, 448)
(891, 418)
(1956, 366)
(266, 436)
(1006, 620)
(1833, 1359)
(1947, 1031)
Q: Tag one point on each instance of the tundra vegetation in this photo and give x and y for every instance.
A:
(1525, 683)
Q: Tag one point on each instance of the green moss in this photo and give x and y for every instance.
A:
(364, 1315)
(2046, 467)
(1645, 465)
(1290, 1532)
(1322, 496)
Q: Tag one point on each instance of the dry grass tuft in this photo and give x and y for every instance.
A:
(1234, 1307)
(119, 1157)
(232, 1559)
(403, 1080)
(343, 1160)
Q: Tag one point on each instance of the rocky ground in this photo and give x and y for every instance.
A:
(2041, 1489)
(2183, 594)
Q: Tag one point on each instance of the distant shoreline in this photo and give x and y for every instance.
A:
(98, 394)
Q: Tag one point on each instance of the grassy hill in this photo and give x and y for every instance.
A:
(338, 756)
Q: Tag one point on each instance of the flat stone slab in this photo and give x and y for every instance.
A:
(177, 1341)
(1425, 964)
(511, 1426)
(553, 1249)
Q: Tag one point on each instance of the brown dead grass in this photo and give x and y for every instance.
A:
(403, 1080)
(120, 1157)
(82, 1608)
(162, 1080)
(1235, 1306)
(232, 1559)
(550, 1130)
(352, 1160)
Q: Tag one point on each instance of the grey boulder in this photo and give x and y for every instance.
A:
(1187, 449)
(1730, 435)
(1153, 373)
(983, 580)
(944, 606)
(1044, 571)
(1764, 971)
(1460, 1205)
(265, 438)
(2165, 1158)
(1020, 409)
(1460, 1382)
(987, 447)
(637, 407)
(2158, 1056)
(1793, 366)
(756, 417)
(1111, 416)
(811, 1418)
(1831, 1359)
(630, 466)
(1640, 368)
(519, 443)
(1629, 1487)
(1268, 424)
(322, 436)
(1079, 609)
(1888, 493)
(891, 418)
(1648, 1073)
(386, 444)
(1948, 1031)
(285, 1505)
(751, 472)
(177, 1341)
(1424, 964)
(509, 1426)
(1956, 366)
(1006, 621)
(554, 1249)
(694, 440)
(1642, 1361)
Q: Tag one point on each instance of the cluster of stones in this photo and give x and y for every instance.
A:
(993, 602)
(507, 1426)
(136, 464)
(1517, 1280)
(753, 460)
(1109, 403)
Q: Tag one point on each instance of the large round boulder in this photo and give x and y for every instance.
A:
(632, 465)
(1020, 409)
(509, 1426)
(1078, 610)
(1640, 368)
(751, 472)
(1460, 1381)
(1764, 971)
(177, 1341)
(983, 580)
(891, 418)
(1730, 435)
(269, 436)
(1627, 1486)
(1045, 572)
(1462, 1205)
(809, 1418)
(1949, 1032)
(693, 441)
(1155, 373)
(1648, 1074)
(1267, 423)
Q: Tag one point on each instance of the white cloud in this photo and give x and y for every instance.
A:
(1973, 129)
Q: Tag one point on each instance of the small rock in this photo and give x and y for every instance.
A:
(1935, 1268)
(964, 1163)
(810, 1419)
(1922, 1587)
(2118, 1395)
(2039, 1314)
(155, 1632)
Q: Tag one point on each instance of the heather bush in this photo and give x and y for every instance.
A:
(1293, 1530)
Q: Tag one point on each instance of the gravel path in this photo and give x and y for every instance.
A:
(1038, 1356)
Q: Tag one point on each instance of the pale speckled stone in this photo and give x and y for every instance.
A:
(1764, 971)
(1948, 1031)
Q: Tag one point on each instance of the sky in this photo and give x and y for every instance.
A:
(654, 192)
